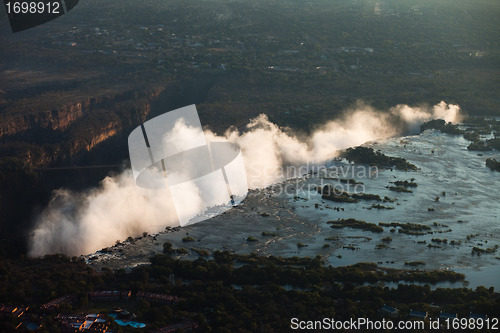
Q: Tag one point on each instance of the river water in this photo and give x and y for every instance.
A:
(457, 196)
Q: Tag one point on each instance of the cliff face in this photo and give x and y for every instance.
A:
(59, 118)
(62, 134)
(89, 130)
(62, 117)
(95, 136)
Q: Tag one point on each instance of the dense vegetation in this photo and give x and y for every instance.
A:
(441, 125)
(415, 229)
(237, 292)
(365, 155)
(356, 224)
(406, 183)
(493, 164)
(476, 127)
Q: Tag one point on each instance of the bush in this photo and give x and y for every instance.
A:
(493, 164)
(369, 156)
(355, 224)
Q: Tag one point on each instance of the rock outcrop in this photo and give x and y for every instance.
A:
(43, 137)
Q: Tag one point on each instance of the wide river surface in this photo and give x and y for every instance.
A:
(457, 196)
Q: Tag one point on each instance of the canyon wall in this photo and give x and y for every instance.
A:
(60, 135)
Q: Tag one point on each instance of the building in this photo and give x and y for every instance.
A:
(419, 314)
(389, 310)
(109, 295)
(477, 316)
(162, 298)
(91, 323)
(11, 310)
(56, 303)
(444, 315)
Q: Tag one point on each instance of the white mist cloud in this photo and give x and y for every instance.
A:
(413, 117)
(76, 223)
(80, 223)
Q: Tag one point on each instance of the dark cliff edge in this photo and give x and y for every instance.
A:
(60, 135)
(74, 146)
